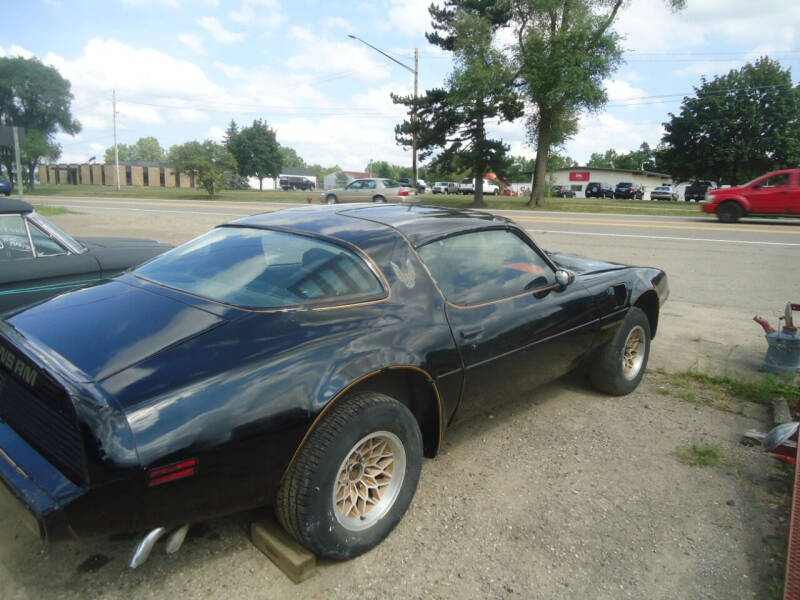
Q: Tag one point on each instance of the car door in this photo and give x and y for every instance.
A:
(30, 273)
(513, 327)
(772, 194)
(370, 189)
(352, 191)
(793, 197)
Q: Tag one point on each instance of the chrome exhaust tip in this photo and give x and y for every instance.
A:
(142, 550)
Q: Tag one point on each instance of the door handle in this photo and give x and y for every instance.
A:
(468, 334)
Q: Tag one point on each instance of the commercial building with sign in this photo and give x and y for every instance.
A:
(577, 178)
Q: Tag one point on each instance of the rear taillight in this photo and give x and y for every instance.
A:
(402, 192)
(178, 470)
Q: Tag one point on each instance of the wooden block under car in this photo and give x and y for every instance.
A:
(290, 557)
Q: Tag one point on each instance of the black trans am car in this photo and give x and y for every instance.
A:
(38, 260)
(307, 358)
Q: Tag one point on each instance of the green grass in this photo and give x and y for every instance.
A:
(760, 390)
(598, 205)
(702, 455)
(44, 209)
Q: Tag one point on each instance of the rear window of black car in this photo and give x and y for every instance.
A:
(258, 268)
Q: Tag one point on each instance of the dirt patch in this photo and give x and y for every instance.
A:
(568, 493)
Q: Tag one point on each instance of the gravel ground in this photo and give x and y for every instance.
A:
(565, 494)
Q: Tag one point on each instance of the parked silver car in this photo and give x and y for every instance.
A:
(373, 189)
(664, 192)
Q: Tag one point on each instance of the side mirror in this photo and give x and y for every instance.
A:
(564, 278)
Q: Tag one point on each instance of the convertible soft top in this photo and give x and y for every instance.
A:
(9, 205)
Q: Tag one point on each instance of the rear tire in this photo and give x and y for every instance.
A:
(354, 478)
(331, 199)
(379, 199)
(729, 212)
(619, 366)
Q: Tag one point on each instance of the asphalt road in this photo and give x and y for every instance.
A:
(751, 264)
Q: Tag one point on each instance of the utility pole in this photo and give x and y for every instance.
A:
(19, 163)
(414, 118)
(116, 152)
(415, 71)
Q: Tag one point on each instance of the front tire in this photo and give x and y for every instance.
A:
(354, 478)
(620, 364)
(729, 212)
(331, 199)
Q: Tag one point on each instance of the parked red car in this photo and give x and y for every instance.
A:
(773, 194)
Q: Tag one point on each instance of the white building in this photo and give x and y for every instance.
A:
(577, 178)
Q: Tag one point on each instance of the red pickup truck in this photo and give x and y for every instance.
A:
(773, 194)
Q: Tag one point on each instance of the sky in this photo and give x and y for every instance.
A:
(182, 69)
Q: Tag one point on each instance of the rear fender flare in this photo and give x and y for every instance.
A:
(432, 429)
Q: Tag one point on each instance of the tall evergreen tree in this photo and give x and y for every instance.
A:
(453, 119)
(230, 133)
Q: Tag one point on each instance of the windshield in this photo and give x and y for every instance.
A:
(259, 268)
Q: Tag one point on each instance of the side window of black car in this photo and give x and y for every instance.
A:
(483, 266)
(14, 242)
(44, 245)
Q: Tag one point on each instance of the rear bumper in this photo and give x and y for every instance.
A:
(32, 489)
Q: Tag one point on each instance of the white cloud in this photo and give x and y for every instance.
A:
(135, 112)
(146, 71)
(193, 42)
(650, 26)
(598, 133)
(618, 89)
(215, 134)
(264, 14)
(324, 55)
(217, 31)
(338, 23)
(170, 3)
(15, 50)
(410, 17)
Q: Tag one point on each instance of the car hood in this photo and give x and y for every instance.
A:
(104, 329)
(582, 265)
(727, 190)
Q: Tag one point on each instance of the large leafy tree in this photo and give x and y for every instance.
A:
(563, 49)
(211, 163)
(453, 120)
(37, 98)
(290, 158)
(736, 126)
(643, 158)
(256, 151)
(146, 149)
